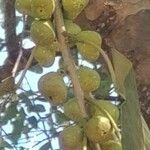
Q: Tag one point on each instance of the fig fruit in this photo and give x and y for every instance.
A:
(71, 137)
(90, 37)
(89, 79)
(42, 9)
(44, 55)
(42, 32)
(72, 110)
(98, 129)
(52, 86)
(88, 51)
(108, 106)
(23, 6)
(72, 8)
(71, 27)
(111, 145)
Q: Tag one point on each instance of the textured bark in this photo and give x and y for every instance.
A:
(12, 44)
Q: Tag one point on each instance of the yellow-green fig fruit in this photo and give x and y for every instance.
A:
(51, 85)
(98, 129)
(72, 8)
(71, 137)
(71, 27)
(89, 79)
(108, 106)
(44, 55)
(111, 145)
(42, 9)
(72, 30)
(88, 51)
(72, 110)
(90, 37)
(42, 32)
(23, 6)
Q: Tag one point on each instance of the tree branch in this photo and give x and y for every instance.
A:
(68, 58)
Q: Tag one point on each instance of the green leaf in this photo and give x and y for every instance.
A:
(5, 144)
(12, 110)
(24, 97)
(60, 117)
(122, 66)
(146, 132)
(131, 125)
(46, 146)
(37, 108)
(70, 93)
(104, 88)
(37, 69)
(132, 133)
(33, 121)
(3, 119)
(18, 125)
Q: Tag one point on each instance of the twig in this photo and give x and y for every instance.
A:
(14, 71)
(26, 68)
(7, 136)
(60, 28)
(97, 146)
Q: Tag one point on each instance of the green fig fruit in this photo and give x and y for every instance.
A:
(88, 51)
(111, 145)
(72, 110)
(72, 30)
(89, 79)
(71, 137)
(72, 8)
(51, 85)
(23, 6)
(90, 37)
(98, 129)
(42, 9)
(44, 55)
(108, 106)
(42, 32)
(71, 27)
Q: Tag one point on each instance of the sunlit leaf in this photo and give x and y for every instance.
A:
(132, 133)
(146, 132)
(130, 110)
(122, 67)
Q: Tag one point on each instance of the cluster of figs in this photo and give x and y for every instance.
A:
(97, 128)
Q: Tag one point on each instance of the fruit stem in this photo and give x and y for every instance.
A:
(84, 142)
(68, 59)
(92, 101)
